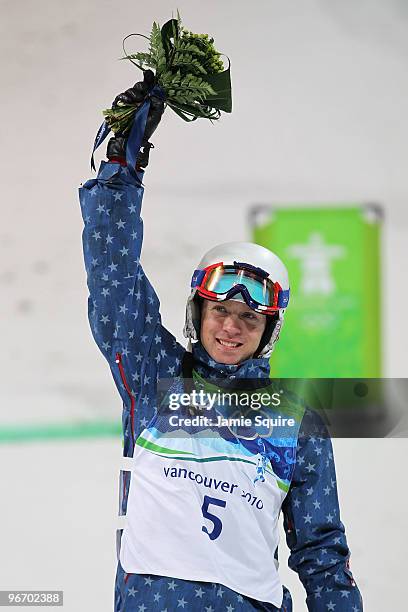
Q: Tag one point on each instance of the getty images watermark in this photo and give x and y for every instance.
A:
(237, 405)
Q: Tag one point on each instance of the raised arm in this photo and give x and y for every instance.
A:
(314, 531)
(123, 307)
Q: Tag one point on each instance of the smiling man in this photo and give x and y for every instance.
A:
(202, 504)
(239, 293)
(230, 332)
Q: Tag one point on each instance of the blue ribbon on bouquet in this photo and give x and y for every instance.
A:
(136, 134)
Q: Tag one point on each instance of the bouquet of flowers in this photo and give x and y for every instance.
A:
(189, 70)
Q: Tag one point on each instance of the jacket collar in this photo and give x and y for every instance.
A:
(208, 368)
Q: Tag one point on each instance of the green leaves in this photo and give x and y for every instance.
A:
(170, 30)
(189, 69)
(157, 50)
(145, 59)
(221, 85)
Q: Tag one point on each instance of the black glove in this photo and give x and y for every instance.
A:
(136, 96)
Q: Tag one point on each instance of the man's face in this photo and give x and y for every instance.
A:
(230, 330)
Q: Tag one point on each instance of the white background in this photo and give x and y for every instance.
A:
(320, 96)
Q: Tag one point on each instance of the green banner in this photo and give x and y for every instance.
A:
(332, 325)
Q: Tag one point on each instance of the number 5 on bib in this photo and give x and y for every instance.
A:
(211, 517)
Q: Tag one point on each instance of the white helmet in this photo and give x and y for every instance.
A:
(246, 272)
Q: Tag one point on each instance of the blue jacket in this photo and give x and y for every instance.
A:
(124, 315)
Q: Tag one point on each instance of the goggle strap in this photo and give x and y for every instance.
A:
(283, 298)
(197, 278)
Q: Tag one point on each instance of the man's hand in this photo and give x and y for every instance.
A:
(135, 96)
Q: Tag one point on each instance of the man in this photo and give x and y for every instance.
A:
(202, 501)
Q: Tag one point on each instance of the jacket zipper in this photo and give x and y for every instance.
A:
(129, 392)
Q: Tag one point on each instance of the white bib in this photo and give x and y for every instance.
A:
(195, 513)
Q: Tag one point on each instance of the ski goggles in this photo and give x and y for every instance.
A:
(219, 282)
